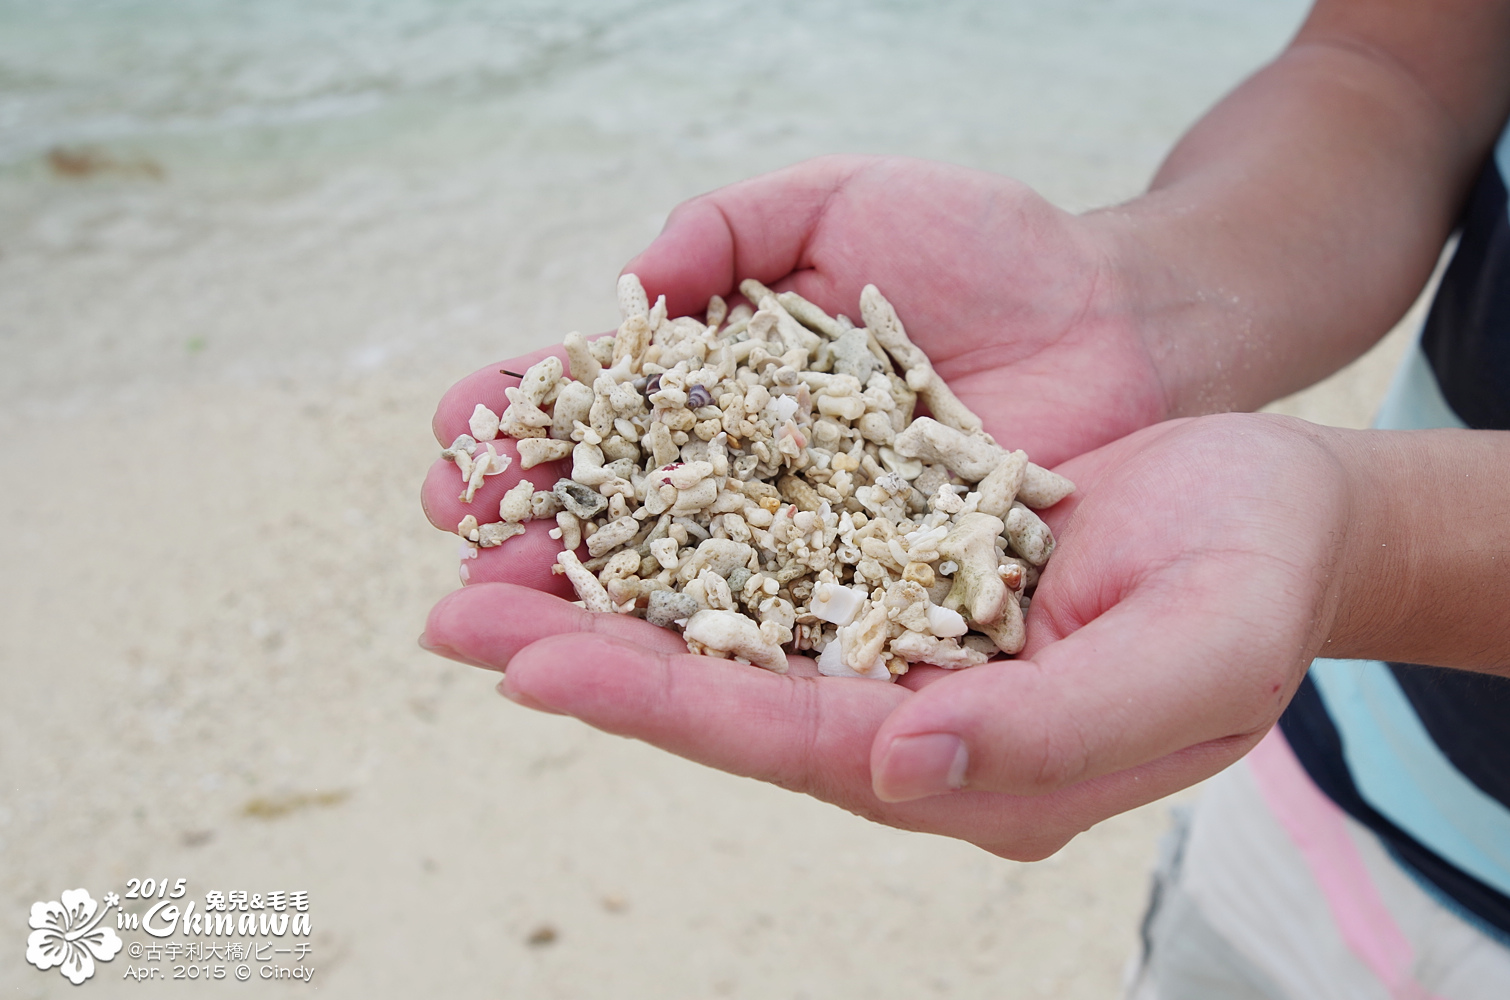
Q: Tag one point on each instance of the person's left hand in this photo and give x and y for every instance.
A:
(1196, 576)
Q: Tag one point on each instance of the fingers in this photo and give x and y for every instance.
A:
(759, 228)
(1144, 680)
(484, 386)
(524, 559)
(806, 734)
(487, 624)
(442, 490)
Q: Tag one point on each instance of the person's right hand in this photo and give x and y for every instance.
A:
(1016, 302)
(1200, 567)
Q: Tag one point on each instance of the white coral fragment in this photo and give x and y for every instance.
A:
(1030, 537)
(969, 456)
(914, 647)
(863, 638)
(756, 477)
(664, 550)
(999, 488)
(632, 298)
(881, 319)
(518, 503)
(612, 535)
(729, 633)
(589, 590)
(538, 450)
(978, 591)
(1041, 488)
(483, 423)
(498, 532)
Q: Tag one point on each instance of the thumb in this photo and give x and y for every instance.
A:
(1144, 680)
(759, 228)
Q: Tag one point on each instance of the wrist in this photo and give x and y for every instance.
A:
(1423, 573)
(1374, 572)
(1167, 278)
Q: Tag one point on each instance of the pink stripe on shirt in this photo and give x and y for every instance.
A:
(1319, 829)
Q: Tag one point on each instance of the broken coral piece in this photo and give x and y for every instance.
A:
(758, 479)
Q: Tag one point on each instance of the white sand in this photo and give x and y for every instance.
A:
(213, 569)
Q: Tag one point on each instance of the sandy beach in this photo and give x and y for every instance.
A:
(221, 339)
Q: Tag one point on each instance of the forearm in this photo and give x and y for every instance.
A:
(1297, 221)
(1423, 575)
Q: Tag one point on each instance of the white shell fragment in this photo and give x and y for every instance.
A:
(945, 622)
(837, 604)
(489, 463)
(757, 478)
(831, 663)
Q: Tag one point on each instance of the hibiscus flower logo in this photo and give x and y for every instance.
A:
(67, 934)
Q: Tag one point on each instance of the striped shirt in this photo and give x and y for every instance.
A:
(1421, 755)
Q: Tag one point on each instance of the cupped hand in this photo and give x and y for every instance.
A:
(1196, 576)
(1016, 302)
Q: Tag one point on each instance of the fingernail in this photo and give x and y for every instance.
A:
(916, 767)
(520, 698)
(442, 650)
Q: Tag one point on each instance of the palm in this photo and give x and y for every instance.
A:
(1166, 636)
(1006, 293)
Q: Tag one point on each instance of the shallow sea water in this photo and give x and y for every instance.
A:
(295, 190)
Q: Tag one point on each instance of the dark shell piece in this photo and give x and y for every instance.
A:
(698, 396)
(652, 384)
(580, 500)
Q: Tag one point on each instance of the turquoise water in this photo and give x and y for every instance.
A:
(291, 190)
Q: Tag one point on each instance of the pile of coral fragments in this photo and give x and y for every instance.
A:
(757, 479)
